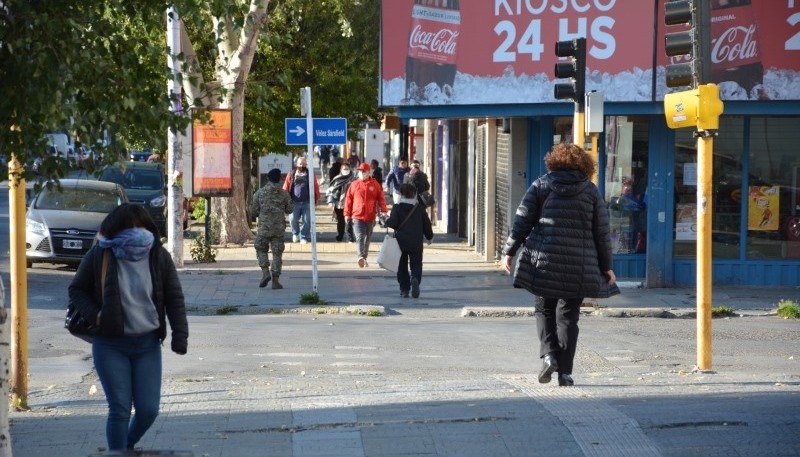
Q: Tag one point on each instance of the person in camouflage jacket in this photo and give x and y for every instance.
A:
(271, 203)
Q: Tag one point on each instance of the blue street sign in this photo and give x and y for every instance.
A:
(326, 131)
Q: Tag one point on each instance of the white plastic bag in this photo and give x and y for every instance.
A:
(389, 255)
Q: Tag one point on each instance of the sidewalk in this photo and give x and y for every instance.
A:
(455, 280)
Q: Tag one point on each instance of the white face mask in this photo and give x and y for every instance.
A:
(345, 172)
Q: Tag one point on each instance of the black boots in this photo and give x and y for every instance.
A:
(265, 277)
(276, 284)
(549, 366)
(565, 380)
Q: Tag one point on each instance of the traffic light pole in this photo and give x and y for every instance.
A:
(19, 287)
(579, 126)
(699, 107)
(705, 154)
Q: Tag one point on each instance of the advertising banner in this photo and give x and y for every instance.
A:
(212, 155)
(754, 51)
(763, 208)
(451, 52)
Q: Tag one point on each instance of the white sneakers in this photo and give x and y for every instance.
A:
(295, 238)
(304, 241)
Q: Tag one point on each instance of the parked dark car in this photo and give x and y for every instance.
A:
(145, 184)
(61, 225)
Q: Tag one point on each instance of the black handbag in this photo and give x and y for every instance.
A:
(78, 325)
(426, 198)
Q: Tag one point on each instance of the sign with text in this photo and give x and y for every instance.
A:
(502, 51)
(325, 131)
(212, 155)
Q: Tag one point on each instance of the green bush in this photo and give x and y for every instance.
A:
(312, 298)
(788, 309)
(203, 252)
(199, 210)
(722, 311)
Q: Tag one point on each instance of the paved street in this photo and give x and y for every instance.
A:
(277, 379)
(448, 374)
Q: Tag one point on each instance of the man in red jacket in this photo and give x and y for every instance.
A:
(363, 198)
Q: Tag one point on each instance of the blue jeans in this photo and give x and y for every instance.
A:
(413, 260)
(129, 368)
(301, 210)
(363, 232)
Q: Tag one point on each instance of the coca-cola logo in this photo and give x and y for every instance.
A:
(441, 42)
(735, 43)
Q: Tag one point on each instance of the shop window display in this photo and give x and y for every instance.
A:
(755, 196)
(626, 182)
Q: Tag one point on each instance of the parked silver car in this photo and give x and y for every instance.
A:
(61, 225)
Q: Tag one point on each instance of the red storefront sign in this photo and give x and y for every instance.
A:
(501, 51)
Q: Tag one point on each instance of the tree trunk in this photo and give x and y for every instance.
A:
(236, 50)
(234, 226)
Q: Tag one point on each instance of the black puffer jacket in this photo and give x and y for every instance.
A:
(85, 294)
(418, 225)
(563, 222)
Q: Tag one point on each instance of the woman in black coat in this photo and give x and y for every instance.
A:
(563, 223)
(411, 223)
(128, 284)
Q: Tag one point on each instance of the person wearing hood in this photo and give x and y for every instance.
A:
(563, 224)
(335, 199)
(410, 223)
(127, 283)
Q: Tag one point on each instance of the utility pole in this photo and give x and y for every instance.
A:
(175, 149)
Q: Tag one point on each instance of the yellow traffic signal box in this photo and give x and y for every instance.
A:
(699, 108)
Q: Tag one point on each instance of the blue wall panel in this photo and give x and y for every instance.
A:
(777, 273)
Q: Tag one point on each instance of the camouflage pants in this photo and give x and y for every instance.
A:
(262, 245)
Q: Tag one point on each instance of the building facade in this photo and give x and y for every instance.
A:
(481, 119)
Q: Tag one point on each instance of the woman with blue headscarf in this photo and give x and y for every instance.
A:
(129, 283)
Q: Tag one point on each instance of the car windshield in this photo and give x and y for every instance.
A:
(76, 199)
(135, 178)
(142, 179)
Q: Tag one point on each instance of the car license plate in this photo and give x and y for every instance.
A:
(73, 244)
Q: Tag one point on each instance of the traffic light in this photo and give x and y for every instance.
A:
(698, 108)
(574, 69)
(692, 43)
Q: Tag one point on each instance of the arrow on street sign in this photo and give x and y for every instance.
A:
(325, 131)
(298, 131)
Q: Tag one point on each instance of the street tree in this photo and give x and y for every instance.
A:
(95, 69)
(331, 46)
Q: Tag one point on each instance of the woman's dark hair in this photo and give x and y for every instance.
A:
(566, 156)
(125, 216)
(374, 162)
(408, 190)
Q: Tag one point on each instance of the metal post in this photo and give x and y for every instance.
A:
(207, 220)
(705, 148)
(19, 287)
(311, 194)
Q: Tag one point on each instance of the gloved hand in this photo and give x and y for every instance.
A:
(178, 347)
